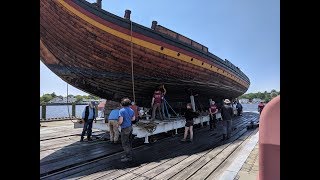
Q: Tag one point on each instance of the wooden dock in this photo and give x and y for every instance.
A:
(62, 156)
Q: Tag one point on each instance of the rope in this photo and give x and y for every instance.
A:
(150, 127)
(165, 109)
(132, 76)
(170, 107)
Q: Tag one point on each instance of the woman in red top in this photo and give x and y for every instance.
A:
(260, 106)
(157, 101)
(213, 111)
(135, 109)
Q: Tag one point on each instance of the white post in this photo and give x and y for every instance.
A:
(146, 139)
(192, 103)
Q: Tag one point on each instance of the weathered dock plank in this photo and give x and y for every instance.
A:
(155, 165)
(188, 169)
(167, 158)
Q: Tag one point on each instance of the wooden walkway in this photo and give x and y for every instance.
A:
(63, 157)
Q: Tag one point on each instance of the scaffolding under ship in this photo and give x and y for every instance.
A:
(93, 49)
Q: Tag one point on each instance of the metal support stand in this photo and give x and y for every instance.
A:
(73, 110)
(43, 110)
(192, 103)
(146, 139)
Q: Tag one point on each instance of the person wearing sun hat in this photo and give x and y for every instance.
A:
(226, 113)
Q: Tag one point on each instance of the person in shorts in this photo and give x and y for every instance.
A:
(189, 115)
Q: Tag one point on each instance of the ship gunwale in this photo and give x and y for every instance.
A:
(124, 27)
(80, 56)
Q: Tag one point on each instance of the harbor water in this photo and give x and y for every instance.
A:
(58, 111)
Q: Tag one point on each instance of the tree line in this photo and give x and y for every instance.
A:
(47, 97)
(266, 96)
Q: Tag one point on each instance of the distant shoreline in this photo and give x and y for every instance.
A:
(60, 104)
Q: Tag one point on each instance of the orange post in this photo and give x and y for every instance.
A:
(269, 141)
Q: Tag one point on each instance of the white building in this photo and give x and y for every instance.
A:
(63, 100)
(256, 100)
(244, 101)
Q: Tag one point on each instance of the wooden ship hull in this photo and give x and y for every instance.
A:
(93, 49)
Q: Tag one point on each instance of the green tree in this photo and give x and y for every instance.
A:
(79, 98)
(267, 96)
(251, 96)
(273, 95)
(93, 97)
(53, 95)
(46, 98)
(260, 95)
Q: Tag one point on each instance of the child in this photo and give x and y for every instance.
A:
(189, 115)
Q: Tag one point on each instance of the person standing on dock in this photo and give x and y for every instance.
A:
(189, 115)
(213, 111)
(135, 109)
(113, 125)
(260, 106)
(239, 109)
(88, 115)
(156, 102)
(126, 115)
(226, 113)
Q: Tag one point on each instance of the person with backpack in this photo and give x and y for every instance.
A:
(88, 115)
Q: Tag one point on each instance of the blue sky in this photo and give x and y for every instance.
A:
(246, 32)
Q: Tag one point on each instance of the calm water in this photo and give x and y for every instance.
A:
(62, 111)
(250, 107)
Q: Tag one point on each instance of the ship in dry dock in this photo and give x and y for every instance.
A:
(104, 54)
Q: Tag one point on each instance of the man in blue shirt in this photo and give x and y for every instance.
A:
(126, 115)
(113, 125)
(88, 115)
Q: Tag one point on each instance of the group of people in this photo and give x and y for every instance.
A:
(123, 116)
(127, 113)
(226, 115)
